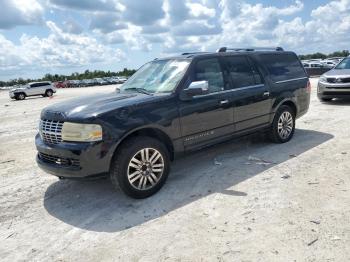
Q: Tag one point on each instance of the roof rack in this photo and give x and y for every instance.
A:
(194, 53)
(250, 49)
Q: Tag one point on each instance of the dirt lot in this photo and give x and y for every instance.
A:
(219, 204)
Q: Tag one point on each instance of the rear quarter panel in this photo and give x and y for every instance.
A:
(290, 89)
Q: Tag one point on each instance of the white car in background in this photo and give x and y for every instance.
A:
(328, 63)
(45, 89)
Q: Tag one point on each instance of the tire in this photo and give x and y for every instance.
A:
(48, 93)
(283, 125)
(326, 99)
(21, 96)
(136, 178)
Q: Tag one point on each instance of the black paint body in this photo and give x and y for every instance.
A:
(182, 124)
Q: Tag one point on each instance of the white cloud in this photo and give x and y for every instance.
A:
(59, 49)
(20, 12)
(198, 10)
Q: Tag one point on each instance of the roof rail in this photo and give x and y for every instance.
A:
(194, 53)
(250, 49)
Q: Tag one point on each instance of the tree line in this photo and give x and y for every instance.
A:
(319, 55)
(74, 76)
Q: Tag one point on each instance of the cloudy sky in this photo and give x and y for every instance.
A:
(65, 36)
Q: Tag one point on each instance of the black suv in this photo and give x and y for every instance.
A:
(171, 106)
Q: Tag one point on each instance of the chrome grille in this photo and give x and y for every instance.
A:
(51, 131)
(59, 160)
(338, 80)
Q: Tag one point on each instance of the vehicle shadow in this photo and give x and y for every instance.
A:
(96, 206)
(339, 102)
(30, 98)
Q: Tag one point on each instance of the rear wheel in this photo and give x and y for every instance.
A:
(48, 93)
(283, 126)
(140, 167)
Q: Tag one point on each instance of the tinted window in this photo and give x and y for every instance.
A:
(210, 70)
(283, 66)
(257, 76)
(345, 64)
(39, 84)
(240, 71)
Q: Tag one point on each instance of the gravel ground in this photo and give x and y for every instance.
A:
(245, 200)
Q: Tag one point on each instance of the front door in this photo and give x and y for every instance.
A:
(210, 116)
(252, 103)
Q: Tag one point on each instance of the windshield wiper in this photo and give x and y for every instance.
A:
(140, 90)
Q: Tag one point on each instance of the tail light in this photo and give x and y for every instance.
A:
(308, 86)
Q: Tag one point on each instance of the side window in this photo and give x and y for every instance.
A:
(257, 76)
(33, 85)
(283, 66)
(240, 71)
(210, 70)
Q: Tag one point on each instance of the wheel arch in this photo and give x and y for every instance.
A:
(150, 131)
(287, 102)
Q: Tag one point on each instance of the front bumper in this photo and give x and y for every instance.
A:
(73, 160)
(12, 95)
(329, 90)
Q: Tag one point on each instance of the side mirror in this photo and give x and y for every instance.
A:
(196, 88)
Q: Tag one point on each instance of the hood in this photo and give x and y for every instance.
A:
(17, 89)
(91, 106)
(337, 72)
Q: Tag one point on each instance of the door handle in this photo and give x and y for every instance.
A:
(224, 102)
(266, 93)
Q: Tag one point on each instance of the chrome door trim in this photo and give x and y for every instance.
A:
(290, 80)
(230, 90)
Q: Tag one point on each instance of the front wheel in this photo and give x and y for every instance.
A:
(140, 167)
(21, 96)
(283, 126)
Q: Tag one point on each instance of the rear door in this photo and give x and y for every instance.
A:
(32, 89)
(42, 88)
(251, 96)
(210, 116)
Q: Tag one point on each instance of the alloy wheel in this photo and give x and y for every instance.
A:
(285, 125)
(145, 169)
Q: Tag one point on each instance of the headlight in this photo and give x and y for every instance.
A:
(81, 132)
(323, 79)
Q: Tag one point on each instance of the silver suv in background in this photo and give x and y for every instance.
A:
(45, 89)
(336, 82)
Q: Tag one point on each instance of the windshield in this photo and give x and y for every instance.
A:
(345, 64)
(158, 76)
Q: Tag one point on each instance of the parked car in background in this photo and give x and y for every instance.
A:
(315, 68)
(109, 80)
(313, 65)
(74, 83)
(101, 81)
(328, 63)
(122, 79)
(87, 82)
(119, 79)
(46, 89)
(336, 82)
(169, 107)
(61, 84)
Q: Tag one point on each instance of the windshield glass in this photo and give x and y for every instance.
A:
(345, 64)
(158, 76)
